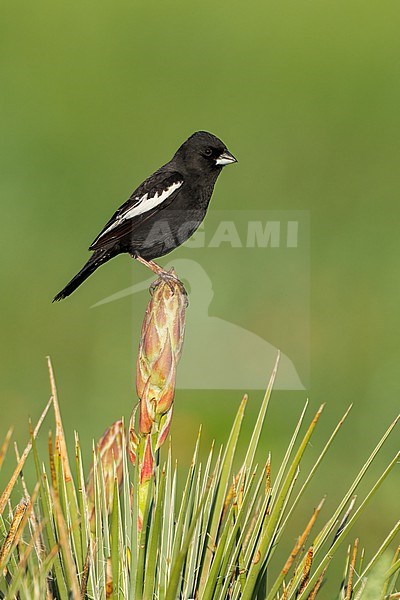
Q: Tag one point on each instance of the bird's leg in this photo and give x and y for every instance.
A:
(150, 264)
(167, 276)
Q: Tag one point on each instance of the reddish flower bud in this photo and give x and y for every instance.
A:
(109, 448)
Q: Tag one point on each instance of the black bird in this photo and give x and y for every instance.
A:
(164, 211)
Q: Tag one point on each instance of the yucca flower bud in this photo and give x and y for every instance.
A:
(110, 448)
(159, 352)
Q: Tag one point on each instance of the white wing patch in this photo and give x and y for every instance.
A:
(144, 205)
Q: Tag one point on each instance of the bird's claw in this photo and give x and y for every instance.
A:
(171, 280)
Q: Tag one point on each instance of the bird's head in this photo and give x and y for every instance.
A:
(203, 152)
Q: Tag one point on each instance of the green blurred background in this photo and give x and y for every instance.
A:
(96, 95)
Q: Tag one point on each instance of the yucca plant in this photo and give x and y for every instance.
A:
(125, 531)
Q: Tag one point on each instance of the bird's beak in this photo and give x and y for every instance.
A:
(226, 158)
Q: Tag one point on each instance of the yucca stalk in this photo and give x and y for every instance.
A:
(160, 349)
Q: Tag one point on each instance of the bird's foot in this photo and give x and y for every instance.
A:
(170, 278)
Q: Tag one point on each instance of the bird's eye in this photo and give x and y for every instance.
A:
(208, 151)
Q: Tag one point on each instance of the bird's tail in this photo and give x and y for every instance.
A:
(97, 259)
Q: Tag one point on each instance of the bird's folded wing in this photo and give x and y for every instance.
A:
(157, 192)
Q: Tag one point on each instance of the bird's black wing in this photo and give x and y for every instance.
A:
(154, 194)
